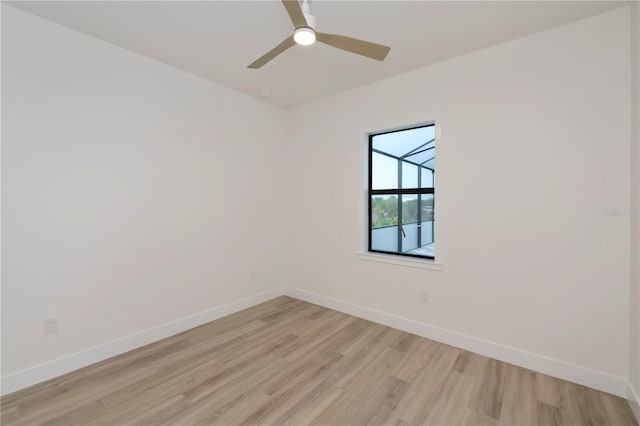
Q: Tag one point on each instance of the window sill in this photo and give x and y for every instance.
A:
(401, 261)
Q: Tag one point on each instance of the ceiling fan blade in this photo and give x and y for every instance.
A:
(286, 43)
(295, 13)
(361, 47)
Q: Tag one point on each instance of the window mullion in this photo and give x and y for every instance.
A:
(399, 207)
(405, 191)
(419, 210)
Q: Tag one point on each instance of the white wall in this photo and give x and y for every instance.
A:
(535, 134)
(634, 313)
(133, 193)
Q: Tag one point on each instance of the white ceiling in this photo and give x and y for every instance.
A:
(218, 39)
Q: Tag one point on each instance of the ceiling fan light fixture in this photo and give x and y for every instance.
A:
(304, 36)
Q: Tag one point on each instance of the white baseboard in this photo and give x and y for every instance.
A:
(633, 398)
(57, 367)
(553, 367)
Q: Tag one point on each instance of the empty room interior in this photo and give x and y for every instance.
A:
(315, 212)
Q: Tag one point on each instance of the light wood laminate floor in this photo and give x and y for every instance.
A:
(288, 362)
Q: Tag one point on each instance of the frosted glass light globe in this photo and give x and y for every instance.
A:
(304, 36)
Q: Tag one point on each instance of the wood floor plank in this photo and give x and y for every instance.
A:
(318, 324)
(211, 401)
(365, 339)
(283, 301)
(164, 391)
(159, 414)
(179, 371)
(472, 417)
(415, 405)
(450, 405)
(297, 373)
(549, 415)
(469, 363)
(334, 342)
(412, 365)
(79, 415)
(379, 408)
(218, 338)
(310, 405)
(583, 407)
(288, 362)
(520, 405)
(234, 411)
(243, 371)
(9, 414)
(407, 343)
(617, 410)
(69, 391)
(69, 399)
(489, 389)
(231, 322)
(295, 309)
(318, 336)
(280, 402)
(548, 390)
(355, 365)
(346, 409)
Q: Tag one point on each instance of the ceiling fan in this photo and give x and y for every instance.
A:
(305, 34)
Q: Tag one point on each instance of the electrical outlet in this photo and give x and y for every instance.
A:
(424, 296)
(50, 325)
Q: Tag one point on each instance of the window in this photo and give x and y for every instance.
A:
(402, 192)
